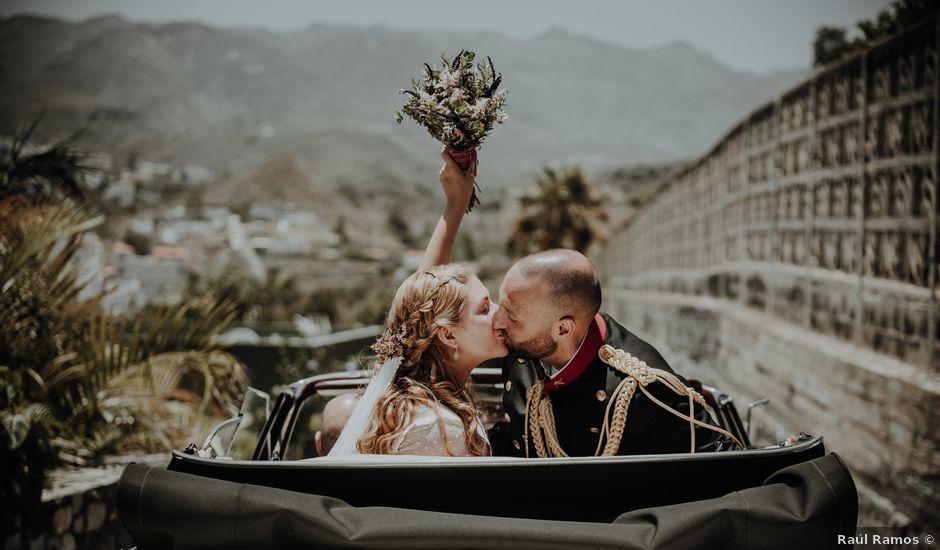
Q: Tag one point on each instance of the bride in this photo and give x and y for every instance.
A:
(439, 327)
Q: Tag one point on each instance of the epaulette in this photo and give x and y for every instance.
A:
(633, 367)
(540, 418)
(640, 375)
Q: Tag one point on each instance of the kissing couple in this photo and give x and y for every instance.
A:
(576, 382)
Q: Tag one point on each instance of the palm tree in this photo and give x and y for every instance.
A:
(562, 211)
(77, 382)
(277, 297)
(43, 174)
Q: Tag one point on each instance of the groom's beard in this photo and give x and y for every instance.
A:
(533, 349)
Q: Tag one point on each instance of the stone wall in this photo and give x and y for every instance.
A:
(879, 414)
(79, 510)
(819, 208)
(798, 260)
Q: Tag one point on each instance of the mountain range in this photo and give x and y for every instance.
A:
(230, 99)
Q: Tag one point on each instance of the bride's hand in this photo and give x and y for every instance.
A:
(457, 186)
(457, 183)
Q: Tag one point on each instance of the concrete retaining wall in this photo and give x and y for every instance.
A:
(880, 414)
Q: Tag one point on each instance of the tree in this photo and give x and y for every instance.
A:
(467, 248)
(900, 15)
(829, 46)
(277, 298)
(47, 174)
(325, 301)
(831, 43)
(195, 203)
(75, 381)
(143, 244)
(340, 230)
(399, 227)
(563, 210)
(911, 12)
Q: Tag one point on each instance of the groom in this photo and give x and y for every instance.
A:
(563, 370)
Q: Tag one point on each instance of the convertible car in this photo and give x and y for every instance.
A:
(776, 496)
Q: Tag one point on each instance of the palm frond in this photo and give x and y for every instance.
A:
(17, 424)
(116, 344)
(62, 370)
(25, 231)
(52, 172)
(171, 392)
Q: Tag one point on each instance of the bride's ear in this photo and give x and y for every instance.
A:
(447, 337)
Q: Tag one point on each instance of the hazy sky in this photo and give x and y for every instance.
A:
(754, 35)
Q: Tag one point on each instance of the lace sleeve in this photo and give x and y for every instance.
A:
(424, 436)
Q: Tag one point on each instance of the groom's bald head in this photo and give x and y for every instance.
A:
(567, 279)
(546, 303)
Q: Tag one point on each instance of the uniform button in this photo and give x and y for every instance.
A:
(516, 444)
(600, 395)
(506, 417)
(520, 360)
(595, 430)
(508, 385)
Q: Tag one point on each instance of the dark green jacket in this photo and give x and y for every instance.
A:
(579, 413)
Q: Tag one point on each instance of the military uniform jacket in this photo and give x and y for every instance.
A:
(580, 405)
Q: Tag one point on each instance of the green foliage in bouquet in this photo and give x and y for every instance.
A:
(459, 104)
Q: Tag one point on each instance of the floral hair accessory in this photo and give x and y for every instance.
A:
(391, 345)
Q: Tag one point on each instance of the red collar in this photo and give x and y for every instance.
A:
(593, 341)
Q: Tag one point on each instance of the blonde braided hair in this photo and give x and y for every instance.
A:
(425, 302)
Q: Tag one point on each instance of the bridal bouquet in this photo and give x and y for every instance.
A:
(459, 104)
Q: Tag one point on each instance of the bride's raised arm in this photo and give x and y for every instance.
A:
(457, 185)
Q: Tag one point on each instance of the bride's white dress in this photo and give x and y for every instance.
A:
(424, 436)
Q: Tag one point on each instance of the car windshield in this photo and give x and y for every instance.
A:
(254, 413)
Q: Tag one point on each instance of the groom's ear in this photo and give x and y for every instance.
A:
(566, 326)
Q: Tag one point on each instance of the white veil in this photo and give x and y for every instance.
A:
(362, 413)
